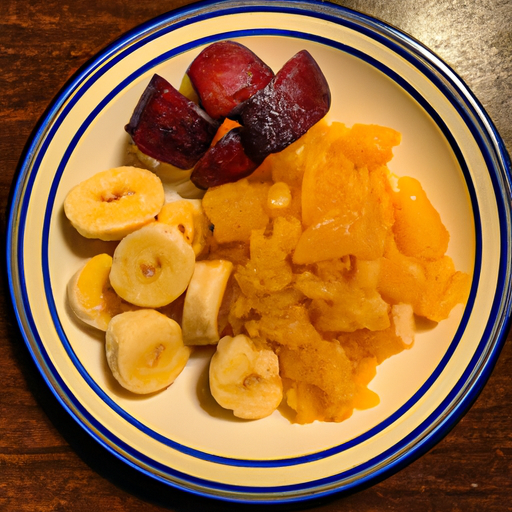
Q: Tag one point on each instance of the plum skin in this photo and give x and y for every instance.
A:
(223, 163)
(277, 111)
(271, 119)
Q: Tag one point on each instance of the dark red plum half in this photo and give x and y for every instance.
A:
(167, 126)
(296, 98)
(225, 162)
(226, 74)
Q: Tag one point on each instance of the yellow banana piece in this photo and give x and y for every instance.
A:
(113, 203)
(188, 216)
(152, 266)
(245, 379)
(203, 300)
(174, 179)
(145, 350)
(90, 295)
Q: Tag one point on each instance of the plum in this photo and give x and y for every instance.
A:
(292, 102)
(224, 162)
(271, 119)
(167, 126)
(226, 74)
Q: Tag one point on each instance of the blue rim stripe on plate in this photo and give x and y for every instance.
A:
(461, 108)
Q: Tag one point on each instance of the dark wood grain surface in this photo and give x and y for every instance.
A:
(46, 462)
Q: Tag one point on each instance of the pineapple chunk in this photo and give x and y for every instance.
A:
(432, 287)
(318, 382)
(268, 269)
(235, 209)
(356, 221)
(369, 145)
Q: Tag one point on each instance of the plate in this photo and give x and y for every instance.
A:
(377, 75)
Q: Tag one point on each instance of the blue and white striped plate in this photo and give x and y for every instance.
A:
(377, 75)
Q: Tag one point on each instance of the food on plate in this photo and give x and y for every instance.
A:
(348, 300)
(226, 74)
(296, 98)
(245, 379)
(91, 296)
(113, 203)
(203, 300)
(188, 217)
(230, 82)
(152, 266)
(224, 162)
(235, 209)
(303, 265)
(413, 214)
(145, 350)
(271, 119)
(168, 126)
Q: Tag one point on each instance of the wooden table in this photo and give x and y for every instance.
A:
(46, 461)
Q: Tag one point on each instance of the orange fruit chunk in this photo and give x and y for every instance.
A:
(235, 209)
(358, 226)
(418, 228)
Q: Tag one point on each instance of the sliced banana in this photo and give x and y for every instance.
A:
(202, 302)
(173, 178)
(188, 216)
(145, 350)
(244, 379)
(90, 295)
(152, 266)
(113, 203)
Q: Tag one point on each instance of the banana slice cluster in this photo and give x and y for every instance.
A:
(153, 263)
(127, 294)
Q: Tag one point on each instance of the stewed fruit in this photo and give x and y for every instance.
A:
(231, 82)
(167, 126)
(296, 99)
(271, 119)
(226, 74)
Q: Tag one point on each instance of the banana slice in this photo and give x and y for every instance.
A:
(188, 216)
(90, 295)
(173, 178)
(152, 266)
(113, 203)
(145, 350)
(202, 302)
(244, 379)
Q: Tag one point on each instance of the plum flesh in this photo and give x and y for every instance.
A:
(293, 101)
(226, 74)
(167, 126)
